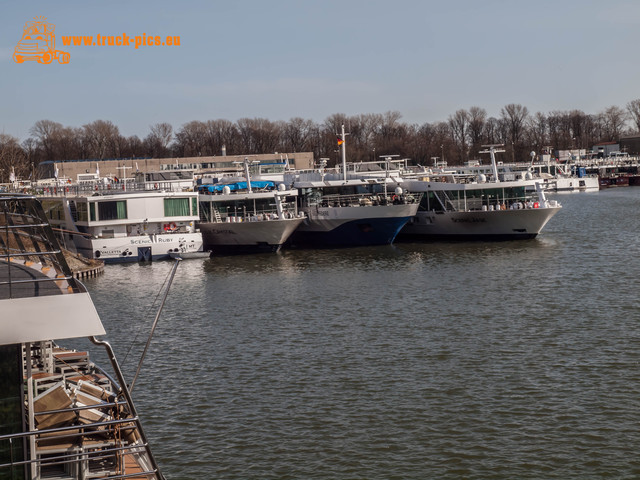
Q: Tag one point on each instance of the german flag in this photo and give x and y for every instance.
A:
(340, 141)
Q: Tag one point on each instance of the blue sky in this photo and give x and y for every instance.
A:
(280, 59)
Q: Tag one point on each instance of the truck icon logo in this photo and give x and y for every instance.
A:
(38, 43)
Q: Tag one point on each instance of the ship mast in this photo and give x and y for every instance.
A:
(343, 148)
(246, 173)
(492, 151)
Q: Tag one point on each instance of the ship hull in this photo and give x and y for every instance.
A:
(138, 248)
(352, 226)
(478, 225)
(247, 237)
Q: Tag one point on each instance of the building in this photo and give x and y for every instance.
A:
(630, 144)
(127, 167)
(605, 149)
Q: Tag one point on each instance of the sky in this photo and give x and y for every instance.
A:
(280, 59)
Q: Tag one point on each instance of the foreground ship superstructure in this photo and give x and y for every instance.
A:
(61, 416)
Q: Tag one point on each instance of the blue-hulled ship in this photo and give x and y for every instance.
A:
(346, 210)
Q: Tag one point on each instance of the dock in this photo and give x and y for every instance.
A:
(82, 267)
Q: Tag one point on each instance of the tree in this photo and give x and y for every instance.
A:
(296, 135)
(190, 139)
(537, 130)
(258, 135)
(101, 137)
(45, 132)
(459, 123)
(12, 159)
(221, 133)
(514, 117)
(159, 139)
(633, 107)
(614, 119)
(477, 121)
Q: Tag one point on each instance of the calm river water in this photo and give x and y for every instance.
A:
(444, 360)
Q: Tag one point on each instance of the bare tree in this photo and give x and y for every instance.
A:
(12, 159)
(537, 131)
(514, 117)
(30, 149)
(190, 139)
(221, 133)
(614, 119)
(45, 131)
(494, 131)
(102, 139)
(132, 147)
(477, 121)
(159, 139)
(633, 107)
(296, 135)
(459, 123)
(259, 135)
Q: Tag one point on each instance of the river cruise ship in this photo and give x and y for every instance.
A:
(124, 224)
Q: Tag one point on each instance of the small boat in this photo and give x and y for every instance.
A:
(63, 416)
(614, 180)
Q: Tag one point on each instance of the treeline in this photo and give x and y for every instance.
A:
(370, 135)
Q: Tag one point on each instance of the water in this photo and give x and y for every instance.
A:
(461, 360)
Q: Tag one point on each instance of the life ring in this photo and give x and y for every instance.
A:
(165, 227)
(172, 227)
(536, 205)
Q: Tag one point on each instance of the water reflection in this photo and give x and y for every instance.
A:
(438, 360)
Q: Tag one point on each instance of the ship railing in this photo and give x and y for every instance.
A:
(489, 204)
(238, 215)
(364, 199)
(98, 188)
(87, 447)
(26, 239)
(88, 427)
(260, 216)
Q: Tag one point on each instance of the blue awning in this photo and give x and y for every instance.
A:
(236, 186)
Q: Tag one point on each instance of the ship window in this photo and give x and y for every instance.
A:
(53, 210)
(205, 212)
(194, 206)
(112, 210)
(92, 211)
(81, 209)
(176, 207)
